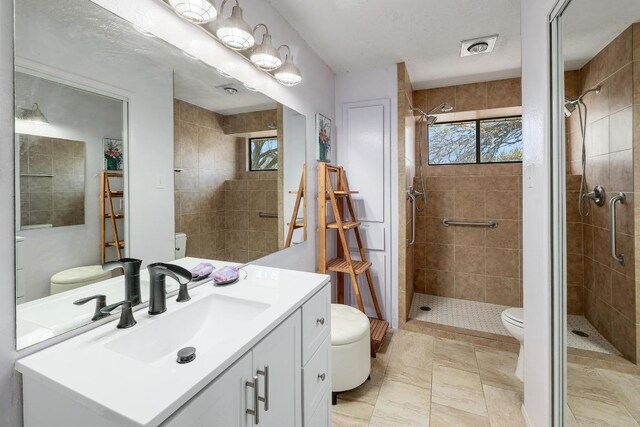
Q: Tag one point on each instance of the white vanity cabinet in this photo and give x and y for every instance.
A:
(274, 363)
(263, 357)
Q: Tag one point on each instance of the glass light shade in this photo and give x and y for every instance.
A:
(288, 74)
(234, 32)
(265, 56)
(33, 115)
(196, 11)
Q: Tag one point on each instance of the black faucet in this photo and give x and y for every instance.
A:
(157, 287)
(101, 302)
(126, 314)
(131, 267)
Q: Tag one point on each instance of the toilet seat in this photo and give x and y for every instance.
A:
(76, 277)
(514, 316)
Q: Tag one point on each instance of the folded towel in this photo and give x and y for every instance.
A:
(202, 270)
(225, 274)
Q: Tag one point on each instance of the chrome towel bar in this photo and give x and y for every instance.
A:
(620, 197)
(492, 223)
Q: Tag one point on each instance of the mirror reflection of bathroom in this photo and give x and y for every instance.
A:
(126, 146)
(600, 45)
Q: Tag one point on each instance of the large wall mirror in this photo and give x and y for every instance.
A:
(597, 95)
(127, 146)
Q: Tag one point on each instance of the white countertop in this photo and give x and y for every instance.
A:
(132, 391)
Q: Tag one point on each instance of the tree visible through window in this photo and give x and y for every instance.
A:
(263, 154)
(476, 141)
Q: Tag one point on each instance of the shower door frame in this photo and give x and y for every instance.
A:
(558, 244)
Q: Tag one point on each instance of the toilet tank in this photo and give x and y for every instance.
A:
(181, 245)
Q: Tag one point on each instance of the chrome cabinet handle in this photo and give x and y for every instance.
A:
(322, 376)
(256, 398)
(620, 197)
(265, 399)
(320, 321)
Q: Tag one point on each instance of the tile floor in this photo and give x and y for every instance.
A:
(421, 380)
(484, 317)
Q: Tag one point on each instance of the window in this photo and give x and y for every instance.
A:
(476, 141)
(263, 154)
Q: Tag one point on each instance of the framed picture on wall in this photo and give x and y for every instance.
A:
(113, 154)
(323, 132)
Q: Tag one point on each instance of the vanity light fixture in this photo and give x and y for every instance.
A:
(234, 32)
(264, 55)
(196, 11)
(288, 74)
(33, 115)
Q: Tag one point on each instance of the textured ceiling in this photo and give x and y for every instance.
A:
(426, 34)
(87, 29)
(590, 25)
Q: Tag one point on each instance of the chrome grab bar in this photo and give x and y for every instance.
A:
(267, 214)
(411, 195)
(620, 197)
(492, 223)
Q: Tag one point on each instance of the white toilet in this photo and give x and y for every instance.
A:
(513, 320)
(181, 245)
(77, 277)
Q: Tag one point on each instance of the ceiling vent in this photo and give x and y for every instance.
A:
(229, 88)
(478, 45)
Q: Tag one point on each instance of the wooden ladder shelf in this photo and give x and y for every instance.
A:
(108, 213)
(339, 197)
(295, 222)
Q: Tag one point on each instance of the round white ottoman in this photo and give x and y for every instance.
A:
(350, 348)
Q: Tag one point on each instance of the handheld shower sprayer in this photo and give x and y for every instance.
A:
(571, 105)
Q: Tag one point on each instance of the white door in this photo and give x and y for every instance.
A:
(222, 403)
(366, 157)
(280, 354)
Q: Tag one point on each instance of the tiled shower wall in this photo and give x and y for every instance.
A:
(481, 264)
(407, 166)
(213, 164)
(608, 297)
(57, 199)
(208, 158)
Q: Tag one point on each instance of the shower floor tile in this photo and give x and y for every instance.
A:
(594, 342)
(474, 315)
(484, 317)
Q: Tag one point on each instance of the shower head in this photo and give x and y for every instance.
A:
(569, 106)
(431, 120)
(445, 107)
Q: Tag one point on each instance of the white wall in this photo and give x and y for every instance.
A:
(536, 210)
(365, 85)
(314, 95)
(79, 116)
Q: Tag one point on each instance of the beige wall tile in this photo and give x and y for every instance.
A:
(504, 93)
(471, 97)
(470, 286)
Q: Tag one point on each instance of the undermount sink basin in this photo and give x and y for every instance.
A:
(202, 324)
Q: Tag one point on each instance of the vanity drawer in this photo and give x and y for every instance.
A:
(316, 322)
(316, 379)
